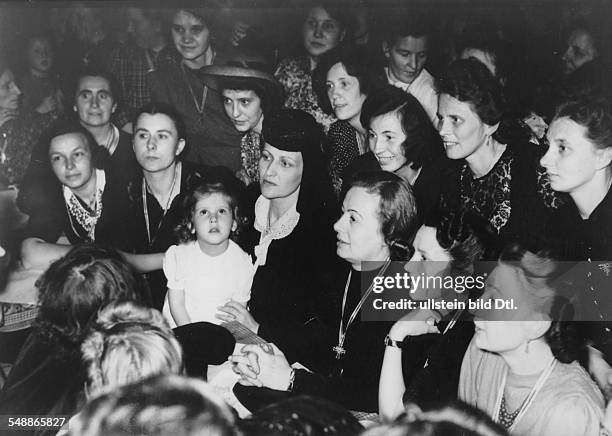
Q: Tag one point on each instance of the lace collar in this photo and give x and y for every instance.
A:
(85, 217)
(281, 228)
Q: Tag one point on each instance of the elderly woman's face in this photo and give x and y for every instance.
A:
(280, 172)
(344, 93)
(580, 50)
(191, 36)
(243, 107)
(500, 330)
(321, 32)
(70, 158)
(94, 101)
(9, 92)
(385, 139)
(461, 129)
(572, 160)
(359, 236)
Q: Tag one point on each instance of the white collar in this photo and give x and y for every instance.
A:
(398, 83)
(279, 230)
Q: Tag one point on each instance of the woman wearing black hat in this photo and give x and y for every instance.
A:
(292, 239)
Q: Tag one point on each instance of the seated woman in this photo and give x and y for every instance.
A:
(248, 93)
(95, 97)
(211, 137)
(379, 217)
(342, 80)
(422, 359)
(291, 238)
(324, 28)
(82, 206)
(48, 377)
(402, 140)
(497, 175)
(578, 162)
(19, 130)
(521, 365)
(155, 193)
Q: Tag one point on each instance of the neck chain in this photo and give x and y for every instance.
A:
(199, 106)
(145, 207)
(528, 400)
(339, 349)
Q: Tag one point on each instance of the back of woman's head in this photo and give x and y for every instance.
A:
(126, 343)
(594, 115)
(470, 81)
(396, 209)
(157, 406)
(454, 419)
(422, 141)
(74, 287)
(301, 416)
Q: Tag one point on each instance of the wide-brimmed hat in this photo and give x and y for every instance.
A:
(241, 68)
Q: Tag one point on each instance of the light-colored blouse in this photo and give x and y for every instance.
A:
(568, 404)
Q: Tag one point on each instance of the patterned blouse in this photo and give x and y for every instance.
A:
(515, 197)
(250, 152)
(17, 139)
(343, 149)
(295, 76)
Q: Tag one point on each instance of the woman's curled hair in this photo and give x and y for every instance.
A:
(75, 286)
(126, 343)
(396, 209)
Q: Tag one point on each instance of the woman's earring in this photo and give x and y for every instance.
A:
(527, 346)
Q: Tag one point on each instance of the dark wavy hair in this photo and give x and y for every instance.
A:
(356, 63)
(184, 230)
(466, 236)
(453, 419)
(413, 23)
(594, 115)
(541, 271)
(76, 286)
(301, 415)
(170, 111)
(422, 141)
(396, 209)
(65, 126)
(471, 82)
(157, 406)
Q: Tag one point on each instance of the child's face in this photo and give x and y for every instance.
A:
(213, 219)
(40, 55)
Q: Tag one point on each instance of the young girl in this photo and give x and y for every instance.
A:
(208, 269)
(39, 83)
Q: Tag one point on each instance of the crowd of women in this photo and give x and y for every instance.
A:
(187, 200)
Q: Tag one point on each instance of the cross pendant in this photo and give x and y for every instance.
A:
(339, 350)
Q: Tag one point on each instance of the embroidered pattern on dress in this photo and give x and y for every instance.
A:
(489, 196)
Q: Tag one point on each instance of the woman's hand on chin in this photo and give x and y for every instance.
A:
(415, 323)
(235, 311)
(258, 367)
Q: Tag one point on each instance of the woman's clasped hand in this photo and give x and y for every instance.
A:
(262, 365)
